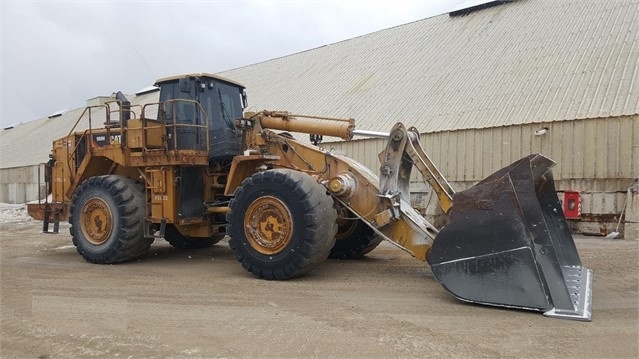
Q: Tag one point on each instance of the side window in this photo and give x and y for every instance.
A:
(208, 105)
(168, 93)
(226, 111)
(185, 112)
(229, 104)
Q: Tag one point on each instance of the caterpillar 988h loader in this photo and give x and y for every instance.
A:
(193, 168)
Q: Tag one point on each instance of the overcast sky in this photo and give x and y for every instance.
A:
(56, 55)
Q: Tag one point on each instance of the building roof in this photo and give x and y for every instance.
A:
(520, 62)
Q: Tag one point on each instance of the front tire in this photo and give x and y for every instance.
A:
(354, 238)
(282, 224)
(107, 220)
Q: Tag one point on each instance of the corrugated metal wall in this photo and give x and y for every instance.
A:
(20, 184)
(583, 149)
(594, 156)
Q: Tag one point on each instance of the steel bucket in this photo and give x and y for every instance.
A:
(508, 244)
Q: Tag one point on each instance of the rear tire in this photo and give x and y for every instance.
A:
(354, 238)
(282, 224)
(107, 220)
(178, 240)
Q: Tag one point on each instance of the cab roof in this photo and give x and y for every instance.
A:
(202, 74)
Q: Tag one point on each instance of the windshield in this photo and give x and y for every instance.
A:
(222, 104)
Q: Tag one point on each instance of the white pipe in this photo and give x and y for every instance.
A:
(371, 133)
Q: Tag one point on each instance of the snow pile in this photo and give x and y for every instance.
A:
(14, 213)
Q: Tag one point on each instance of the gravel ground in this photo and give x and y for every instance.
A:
(202, 304)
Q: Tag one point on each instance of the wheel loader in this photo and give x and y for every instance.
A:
(194, 168)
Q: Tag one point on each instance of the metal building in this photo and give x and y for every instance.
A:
(485, 85)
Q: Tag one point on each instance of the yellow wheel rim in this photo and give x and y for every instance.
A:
(97, 221)
(268, 225)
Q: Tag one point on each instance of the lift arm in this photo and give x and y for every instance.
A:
(403, 151)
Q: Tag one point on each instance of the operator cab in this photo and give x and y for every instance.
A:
(221, 102)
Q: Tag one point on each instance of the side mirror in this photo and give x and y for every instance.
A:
(244, 99)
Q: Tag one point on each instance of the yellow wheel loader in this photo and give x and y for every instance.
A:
(193, 168)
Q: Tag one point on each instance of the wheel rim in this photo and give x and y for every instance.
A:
(97, 220)
(268, 225)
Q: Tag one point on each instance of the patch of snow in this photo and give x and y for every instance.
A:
(14, 213)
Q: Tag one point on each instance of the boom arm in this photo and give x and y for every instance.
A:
(383, 203)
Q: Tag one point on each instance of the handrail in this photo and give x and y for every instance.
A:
(106, 106)
(77, 143)
(174, 126)
(89, 112)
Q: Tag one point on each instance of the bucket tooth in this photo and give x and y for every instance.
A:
(508, 244)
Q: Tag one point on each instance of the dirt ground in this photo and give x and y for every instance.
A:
(202, 304)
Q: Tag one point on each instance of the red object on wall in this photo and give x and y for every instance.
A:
(572, 205)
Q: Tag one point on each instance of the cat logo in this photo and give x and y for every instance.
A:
(115, 139)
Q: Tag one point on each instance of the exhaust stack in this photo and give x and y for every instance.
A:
(125, 107)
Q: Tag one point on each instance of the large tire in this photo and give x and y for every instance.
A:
(178, 240)
(107, 220)
(354, 238)
(282, 224)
